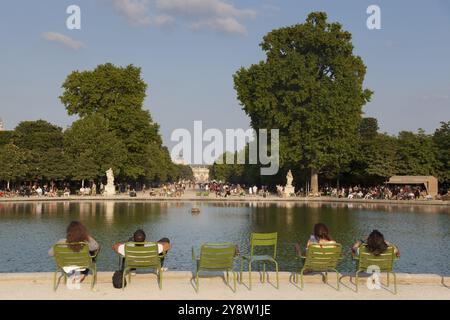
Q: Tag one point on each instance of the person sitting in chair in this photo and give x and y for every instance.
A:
(376, 244)
(139, 236)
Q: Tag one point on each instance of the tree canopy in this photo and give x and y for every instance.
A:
(117, 94)
(310, 87)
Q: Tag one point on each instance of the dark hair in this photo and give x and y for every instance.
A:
(76, 232)
(139, 236)
(321, 232)
(375, 243)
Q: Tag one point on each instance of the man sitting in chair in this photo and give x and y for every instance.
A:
(139, 236)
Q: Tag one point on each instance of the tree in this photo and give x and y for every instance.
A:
(6, 137)
(13, 163)
(42, 143)
(380, 157)
(93, 149)
(416, 154)
(37, 135)
(310, 87)
(368, 129)
(117, 94)
(441, 140)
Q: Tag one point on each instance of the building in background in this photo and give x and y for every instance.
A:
(201, 173)
(2, 126)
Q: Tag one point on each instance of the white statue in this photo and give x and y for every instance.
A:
(289, 189)
(110, 189)
(289, 179)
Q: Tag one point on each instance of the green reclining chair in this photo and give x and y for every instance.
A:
(142, 255)
(321, 258)
(261, 240)
(66, 257)
(384, 261)
(215, 257)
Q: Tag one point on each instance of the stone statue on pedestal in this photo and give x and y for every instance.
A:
(289, 188)
(110, 188)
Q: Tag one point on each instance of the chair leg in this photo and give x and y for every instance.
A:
(337, 279)
(228, 278)
(301, 278)
(395, 282)
(94, 277)
(387, 274)
(250, 275)
(123, 278)
(326, 276)
(276, 272)
(197, 284)
(241, 270)
(356, 280)
(264, 273)
(160, 275)
(55, 285)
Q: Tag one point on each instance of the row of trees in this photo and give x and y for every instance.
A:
(375, 157)
(310, 87)
(113, 131)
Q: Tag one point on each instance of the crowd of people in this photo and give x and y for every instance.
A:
(225, 190)
(386, 192)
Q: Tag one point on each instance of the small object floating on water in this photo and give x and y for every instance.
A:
(195, 210)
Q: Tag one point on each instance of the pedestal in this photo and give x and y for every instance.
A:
(110, 190)
(288, 190)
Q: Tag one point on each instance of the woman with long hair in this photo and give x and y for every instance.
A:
(320, 236)
(76, 233)
(375, 243)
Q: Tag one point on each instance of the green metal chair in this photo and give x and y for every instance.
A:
(384, 261)
(142, 255)
(65, 256)
(215, 257)
(321, 258)
(261, 240)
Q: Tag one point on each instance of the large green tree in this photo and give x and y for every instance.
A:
(310, 87)
(93, 148)
(117, 94)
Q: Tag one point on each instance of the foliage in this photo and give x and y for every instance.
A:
(310, 87)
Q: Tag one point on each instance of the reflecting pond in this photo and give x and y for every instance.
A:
(28, 229)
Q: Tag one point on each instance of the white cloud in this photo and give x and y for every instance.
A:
(204, 8)
(163, 21)
(62, 39)
(217, 15)
(227, 25)
(135, 11)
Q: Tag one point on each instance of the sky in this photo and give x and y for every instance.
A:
(189, 50)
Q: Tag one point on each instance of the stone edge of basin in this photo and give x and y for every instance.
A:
(105, 277)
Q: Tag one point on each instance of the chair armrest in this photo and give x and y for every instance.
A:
(95, 255)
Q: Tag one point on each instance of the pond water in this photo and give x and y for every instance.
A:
(27, 230)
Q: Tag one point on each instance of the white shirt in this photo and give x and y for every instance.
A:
(121, 249)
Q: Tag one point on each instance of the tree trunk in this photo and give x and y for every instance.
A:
(314, 182)
(7, 185)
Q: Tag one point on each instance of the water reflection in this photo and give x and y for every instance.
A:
(421, 232)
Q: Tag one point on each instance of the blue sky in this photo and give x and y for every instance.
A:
(189, 50)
